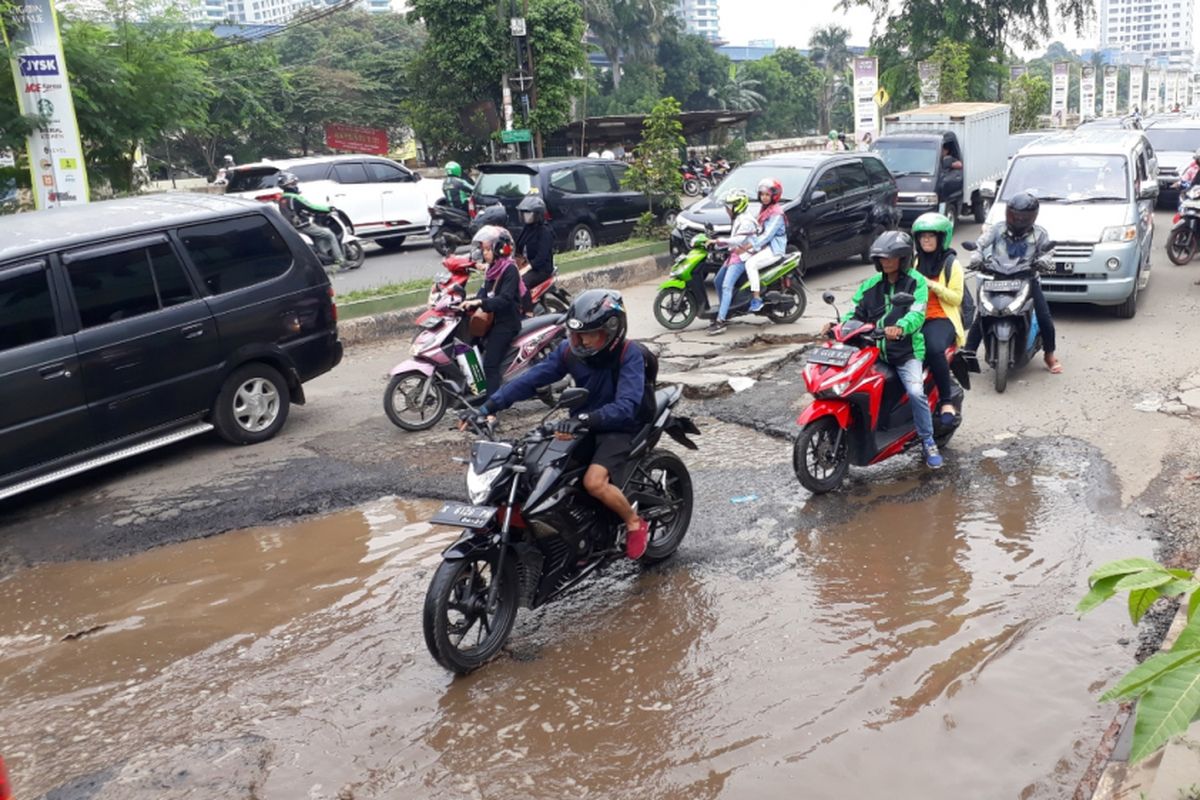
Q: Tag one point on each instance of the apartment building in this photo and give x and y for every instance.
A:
(1156, 29)
(700, 16)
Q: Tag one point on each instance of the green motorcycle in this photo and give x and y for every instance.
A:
(684, 296)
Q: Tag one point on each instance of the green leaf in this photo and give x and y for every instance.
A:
(1140, 601)
(1137, 679)
(1192, 604)
(1101, 591)
(1123, 567)
(1182, 574)
(1166, 709)
(1142, 580)
(1178, 587)
(1189, 637)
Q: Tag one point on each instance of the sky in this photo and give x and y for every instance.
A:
(791, 24)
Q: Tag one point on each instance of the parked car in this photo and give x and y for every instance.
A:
(1175, 142)
(133, 324)
(586, 200)
(836, 203)
(1097, 189)
(386, 202)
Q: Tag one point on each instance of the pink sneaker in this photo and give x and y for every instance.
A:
(636, 540)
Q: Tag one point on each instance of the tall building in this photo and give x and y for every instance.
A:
(700, 16)
(1159, 29)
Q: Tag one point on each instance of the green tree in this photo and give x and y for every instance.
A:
(1029, 96)
(954, 64)
(628, 29)
(737, 92)
(690, 66)
(655, 168)
(556, 35)
(829, 50)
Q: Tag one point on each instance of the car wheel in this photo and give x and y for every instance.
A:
(1128, 309)
(668, 217)
(392, 243)
(581, 238)
(252, 404)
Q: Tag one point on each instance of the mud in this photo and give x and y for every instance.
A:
(912, 636)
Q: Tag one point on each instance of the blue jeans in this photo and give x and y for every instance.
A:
(726, 283)
(911, 376)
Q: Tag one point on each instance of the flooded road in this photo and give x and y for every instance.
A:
(910, 637)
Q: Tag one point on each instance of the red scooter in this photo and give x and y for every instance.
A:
(861, 414)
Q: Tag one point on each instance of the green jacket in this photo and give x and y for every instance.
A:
(873, 303)
(298, 208)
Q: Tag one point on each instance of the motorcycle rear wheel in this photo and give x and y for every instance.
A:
(406, 386)
(1181, 247)
(665, 475)
(691, 187)
(354, 255)
(820, 466)
(674, 308)
(456, 612)
(553, 304)
(442, 246)
(792, 314)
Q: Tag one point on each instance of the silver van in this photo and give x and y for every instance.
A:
(1097, 189)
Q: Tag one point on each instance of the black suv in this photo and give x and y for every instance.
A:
(132, 324)
(584, 197)
(836, 203)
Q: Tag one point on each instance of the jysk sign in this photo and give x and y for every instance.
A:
(30, 30)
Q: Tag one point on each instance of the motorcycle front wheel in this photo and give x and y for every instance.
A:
(691, 187)
(1003, 363)
(674, 308)
(665, 476)
(355, 256)
(1181, 247)
(403, 405)
(461, 632)
(821, 456)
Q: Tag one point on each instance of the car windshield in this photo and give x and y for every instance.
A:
(1185, 140)
(252, 180)
(503, 184)
(1068, 178)
(908, 158)
(793, 177)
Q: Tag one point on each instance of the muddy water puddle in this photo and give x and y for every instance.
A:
(903, 640)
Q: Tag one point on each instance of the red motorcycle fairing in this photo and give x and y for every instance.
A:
(837, 409)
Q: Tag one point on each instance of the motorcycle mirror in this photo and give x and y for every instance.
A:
(903, 299)
(572, 398)
(828, 298)
(970, 246)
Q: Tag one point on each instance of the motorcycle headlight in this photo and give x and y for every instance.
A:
(986, 302)
(1119, 233)
(1015, 304)
(479, 484)
(836, 390)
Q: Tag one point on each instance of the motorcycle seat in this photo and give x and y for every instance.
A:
(541, 321)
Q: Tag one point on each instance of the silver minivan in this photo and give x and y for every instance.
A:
(1097, 189)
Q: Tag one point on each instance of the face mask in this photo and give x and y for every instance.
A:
(1017, 249)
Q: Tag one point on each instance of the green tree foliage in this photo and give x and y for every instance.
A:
(791, 87)
(1166, 685)
(954, 64)
(738, 92)
(829, 50)
(628, 29)
(655, 168)
(556, 30)
(1029, 97)
(690, 66)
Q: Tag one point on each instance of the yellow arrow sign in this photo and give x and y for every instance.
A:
(882, 97)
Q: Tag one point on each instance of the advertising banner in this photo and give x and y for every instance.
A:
(1153, 90)
(1172, 96)
(1135, 89)
(356, 139)
(929, 73)
(40, 75)
(1110, 91)
(866, 112)
(1087, 92)
(1058, 93)
(1015, 71)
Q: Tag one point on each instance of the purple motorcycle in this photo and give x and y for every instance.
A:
(446, 369)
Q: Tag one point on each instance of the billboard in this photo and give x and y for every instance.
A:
(1087, 92)
(1110, 91)
(1153, 91)
(43, 90)
(929, 74)
(866, 84)
(356, 139)
(1058, 93)
(1135, 89)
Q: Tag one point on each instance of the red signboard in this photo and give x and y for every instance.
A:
(356, 139)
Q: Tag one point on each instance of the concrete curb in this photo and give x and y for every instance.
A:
(399, 323)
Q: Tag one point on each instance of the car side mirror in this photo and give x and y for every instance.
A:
(970, 247)
(817, 197)
(903, 299)
(1149, 191)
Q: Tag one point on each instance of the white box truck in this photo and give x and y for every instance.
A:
(946, 157)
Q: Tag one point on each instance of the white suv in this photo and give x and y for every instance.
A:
(385, 201)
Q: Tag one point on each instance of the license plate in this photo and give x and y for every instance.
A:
(831, 356)
(1003, 286)
(458, 515)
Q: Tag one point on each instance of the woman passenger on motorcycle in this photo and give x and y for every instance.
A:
(500, 295)
(535, 242)
(766, 249)
(938, 262)
(743, 228)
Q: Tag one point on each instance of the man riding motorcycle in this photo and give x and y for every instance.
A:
(535, 243)
(1020, 235)
(299, 211)
(455, 188)
(596, 356)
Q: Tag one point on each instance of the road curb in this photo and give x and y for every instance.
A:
(399, 323)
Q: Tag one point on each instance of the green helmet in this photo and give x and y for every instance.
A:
(934, 223)
(833, 134)
(452, 168)
(736, 202)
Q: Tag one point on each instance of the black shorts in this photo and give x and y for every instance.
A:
(610, 450)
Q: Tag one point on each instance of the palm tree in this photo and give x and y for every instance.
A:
(737, 93)
(627, 28)
(829, 50)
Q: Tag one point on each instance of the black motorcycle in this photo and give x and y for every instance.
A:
(532, 532)
(449, 227)
(1185, 235)
(352, 249)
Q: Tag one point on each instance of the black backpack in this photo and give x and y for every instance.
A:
(648, 406)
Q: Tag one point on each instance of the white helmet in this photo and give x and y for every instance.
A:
(607, 154)
(593, 154)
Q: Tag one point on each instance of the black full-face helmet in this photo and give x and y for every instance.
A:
(892, 244)
(1021, 214)
(533, 209)
(597, 310)
(288, 182)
